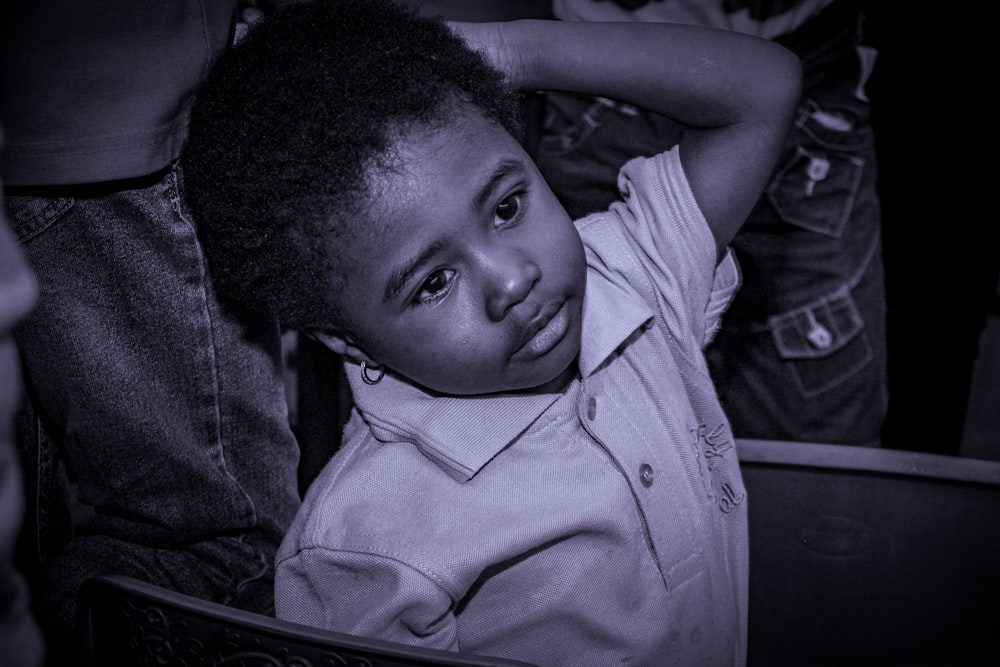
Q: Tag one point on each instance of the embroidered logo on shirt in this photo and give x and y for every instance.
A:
(729, 499)
(716, 444)
(713, 446)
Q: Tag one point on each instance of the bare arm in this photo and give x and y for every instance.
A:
(735, 92)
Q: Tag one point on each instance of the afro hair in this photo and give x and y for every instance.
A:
(286, 125)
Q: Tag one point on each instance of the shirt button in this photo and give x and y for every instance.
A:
(818, 335)
(646, 475)
(591, 408)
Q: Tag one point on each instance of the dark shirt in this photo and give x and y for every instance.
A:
(100, 90)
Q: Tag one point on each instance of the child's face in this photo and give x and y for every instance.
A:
(473, 279)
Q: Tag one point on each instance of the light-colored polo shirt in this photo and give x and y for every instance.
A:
(602, 526)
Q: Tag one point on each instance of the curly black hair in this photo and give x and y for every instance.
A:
(285, 127)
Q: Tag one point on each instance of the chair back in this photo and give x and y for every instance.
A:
(862, 556)
(858, 556)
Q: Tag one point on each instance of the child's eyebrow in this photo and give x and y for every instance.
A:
(400, 276)
(503, 169)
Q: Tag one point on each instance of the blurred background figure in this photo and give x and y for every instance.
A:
(20, 640)
(802, 351)
(155, 437)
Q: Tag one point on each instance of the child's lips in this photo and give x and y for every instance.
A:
(546, 331)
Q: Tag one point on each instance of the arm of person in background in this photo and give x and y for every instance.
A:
(736, 93)
(20, 641)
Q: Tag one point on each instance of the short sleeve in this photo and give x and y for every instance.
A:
(365, 595)
(671, 243)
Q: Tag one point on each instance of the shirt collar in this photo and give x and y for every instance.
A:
(463, 433)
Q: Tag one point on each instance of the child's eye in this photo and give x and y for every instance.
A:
(508, 211)
(436, 286)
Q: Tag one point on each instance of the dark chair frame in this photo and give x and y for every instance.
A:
(869, 556)
(125, 622)
(858, 556)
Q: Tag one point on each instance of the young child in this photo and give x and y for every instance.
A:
(537, 466)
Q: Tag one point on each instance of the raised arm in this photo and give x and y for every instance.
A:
(735, 92)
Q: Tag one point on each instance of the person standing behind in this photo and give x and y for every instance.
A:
(802, 351)
(156, 438)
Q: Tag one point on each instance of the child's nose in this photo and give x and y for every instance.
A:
(512, 275)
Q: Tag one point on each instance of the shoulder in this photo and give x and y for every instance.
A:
(657, 223)
(365, 477)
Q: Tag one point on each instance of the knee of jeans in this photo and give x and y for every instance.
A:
(823, 343)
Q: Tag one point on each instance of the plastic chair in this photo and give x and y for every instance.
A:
(858, 556)
(862, 556)
(125, 622)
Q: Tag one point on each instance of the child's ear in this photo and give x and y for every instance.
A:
(339, 343)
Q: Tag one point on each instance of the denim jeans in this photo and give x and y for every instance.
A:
(801, 352)
(156, 440)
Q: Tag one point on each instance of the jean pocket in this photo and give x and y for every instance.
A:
(823, 342)
(571, 121)
(815, 188)
(31, 215)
